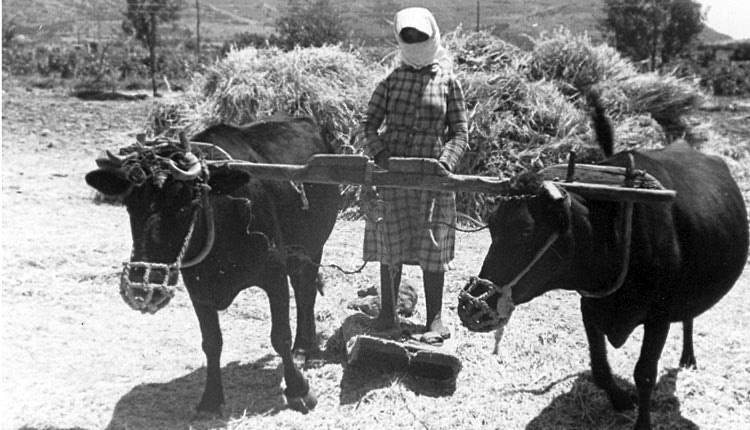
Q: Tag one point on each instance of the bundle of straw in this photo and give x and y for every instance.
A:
(480, 51)
(327, 83)
(666, 98)
(574, 62)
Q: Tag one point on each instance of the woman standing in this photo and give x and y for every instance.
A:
(421, 106)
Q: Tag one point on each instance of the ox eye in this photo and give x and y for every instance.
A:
(524, 233)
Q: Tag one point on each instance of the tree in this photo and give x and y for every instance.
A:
(142, 19)
(311, 23)
(652, 29)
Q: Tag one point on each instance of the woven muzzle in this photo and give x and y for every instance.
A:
(474, 311)
(147, 296)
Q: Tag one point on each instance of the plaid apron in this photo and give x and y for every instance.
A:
(424, 115)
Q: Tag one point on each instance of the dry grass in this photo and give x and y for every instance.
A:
(527, 110)
(328, 84)
(75, 356)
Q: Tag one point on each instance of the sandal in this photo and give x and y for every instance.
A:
(433, 338)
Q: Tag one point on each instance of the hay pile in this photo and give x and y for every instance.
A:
(527, 109)
(328, 84)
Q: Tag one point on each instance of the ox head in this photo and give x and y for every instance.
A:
(165, 188)
(531, 242)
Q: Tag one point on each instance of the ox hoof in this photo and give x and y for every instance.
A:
(623, 400)
(303, 404)
(205, 415)
(688, 362)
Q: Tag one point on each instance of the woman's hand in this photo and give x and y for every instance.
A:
(381, 158)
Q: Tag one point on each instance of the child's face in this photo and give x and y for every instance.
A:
(412, 35)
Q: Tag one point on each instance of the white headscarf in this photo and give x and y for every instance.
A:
(420, 54)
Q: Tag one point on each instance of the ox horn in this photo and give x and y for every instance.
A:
(116, 159)
(186, 175)
(185, 142)
(553, 191)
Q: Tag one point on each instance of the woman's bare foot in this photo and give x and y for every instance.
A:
(435, 333)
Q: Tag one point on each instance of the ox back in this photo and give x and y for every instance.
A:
(696, 248)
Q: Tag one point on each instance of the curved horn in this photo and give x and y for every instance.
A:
(186, 175)
(553, 191)
(117, 160)
(212, 152)
(210, 237)
(185, 142)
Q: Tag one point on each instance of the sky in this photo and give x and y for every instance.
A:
(729, 17)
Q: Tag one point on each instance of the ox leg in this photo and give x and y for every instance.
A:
(213, 394)
(298, 394)
(305, 283)
(619, 398)
(654, 336)
(687, 359)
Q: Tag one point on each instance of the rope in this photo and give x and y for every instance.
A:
(300, 252)
(299, 187)
(128, 288)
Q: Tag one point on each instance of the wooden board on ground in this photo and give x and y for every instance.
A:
(412, 356)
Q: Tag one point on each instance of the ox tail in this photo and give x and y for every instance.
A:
(602, 125)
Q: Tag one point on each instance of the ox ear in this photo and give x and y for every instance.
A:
(108, 182)
(224, 180)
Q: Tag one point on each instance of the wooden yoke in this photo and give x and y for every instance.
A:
(414, 173)
(596, 182)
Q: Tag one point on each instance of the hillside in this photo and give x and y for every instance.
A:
(369, 20)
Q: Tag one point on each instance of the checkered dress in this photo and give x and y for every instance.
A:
(424, 115)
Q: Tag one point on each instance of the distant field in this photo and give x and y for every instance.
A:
(367, 19)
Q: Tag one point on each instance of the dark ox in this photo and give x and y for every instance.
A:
(226, 231)
(681, 260)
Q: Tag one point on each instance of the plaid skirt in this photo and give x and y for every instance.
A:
(412, 228)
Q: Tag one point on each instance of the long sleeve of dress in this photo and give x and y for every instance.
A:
(374, 116)
(457, 138)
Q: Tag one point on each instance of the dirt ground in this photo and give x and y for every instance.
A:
(74, 356)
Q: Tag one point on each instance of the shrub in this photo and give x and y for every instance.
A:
(243, 40)
(722, 78)
(311, 24)
(728, 79)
